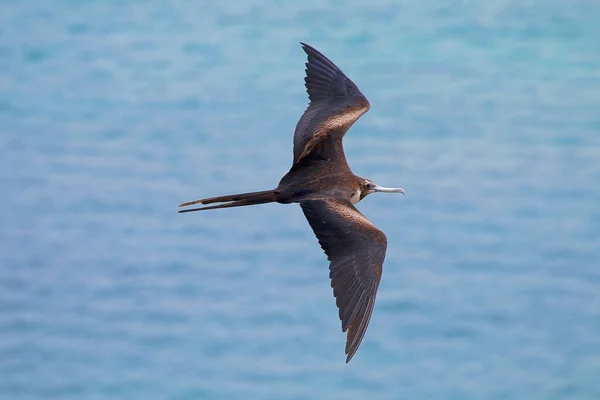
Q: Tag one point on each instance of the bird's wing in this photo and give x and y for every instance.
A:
(335, 104)
(356, 250)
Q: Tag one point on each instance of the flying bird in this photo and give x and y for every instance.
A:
(321, 181)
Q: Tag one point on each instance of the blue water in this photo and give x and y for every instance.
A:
(114, 112)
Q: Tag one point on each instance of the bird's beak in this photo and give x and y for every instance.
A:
(382, 189)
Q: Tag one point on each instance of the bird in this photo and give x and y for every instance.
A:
(321, 181)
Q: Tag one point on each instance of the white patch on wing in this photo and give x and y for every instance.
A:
(358, 220)
(342, 119)
(330, 123)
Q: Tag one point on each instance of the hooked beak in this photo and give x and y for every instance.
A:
(382, 189)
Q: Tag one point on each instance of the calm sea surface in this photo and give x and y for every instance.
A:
(114, 112)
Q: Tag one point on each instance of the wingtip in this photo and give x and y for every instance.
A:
(310, 50)
(350, 354)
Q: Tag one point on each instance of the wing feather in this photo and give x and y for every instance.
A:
(356, 251)
(335, 104)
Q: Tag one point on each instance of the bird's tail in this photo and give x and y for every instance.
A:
(233, 200)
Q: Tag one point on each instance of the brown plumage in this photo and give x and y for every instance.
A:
(322, 182)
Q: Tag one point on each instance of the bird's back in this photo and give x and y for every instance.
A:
(313, 178)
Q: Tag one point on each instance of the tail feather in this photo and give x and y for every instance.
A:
(233, 200)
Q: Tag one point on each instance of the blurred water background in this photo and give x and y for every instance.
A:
(114, 112)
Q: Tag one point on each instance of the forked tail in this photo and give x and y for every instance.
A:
(233, 200)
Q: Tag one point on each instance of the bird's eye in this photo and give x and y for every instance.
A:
(369, 186)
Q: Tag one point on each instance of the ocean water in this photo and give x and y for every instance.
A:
(114, 112)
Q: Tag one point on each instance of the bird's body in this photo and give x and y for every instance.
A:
(321, 180)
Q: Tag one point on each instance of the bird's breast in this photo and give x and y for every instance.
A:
(355, 197)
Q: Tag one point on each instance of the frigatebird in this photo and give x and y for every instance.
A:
(322, 182)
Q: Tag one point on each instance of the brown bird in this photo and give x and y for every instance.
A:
(322, 182)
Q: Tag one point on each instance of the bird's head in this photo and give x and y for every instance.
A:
(367, 187)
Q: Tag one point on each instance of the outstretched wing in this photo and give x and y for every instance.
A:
(356, 250)
(335, 104)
